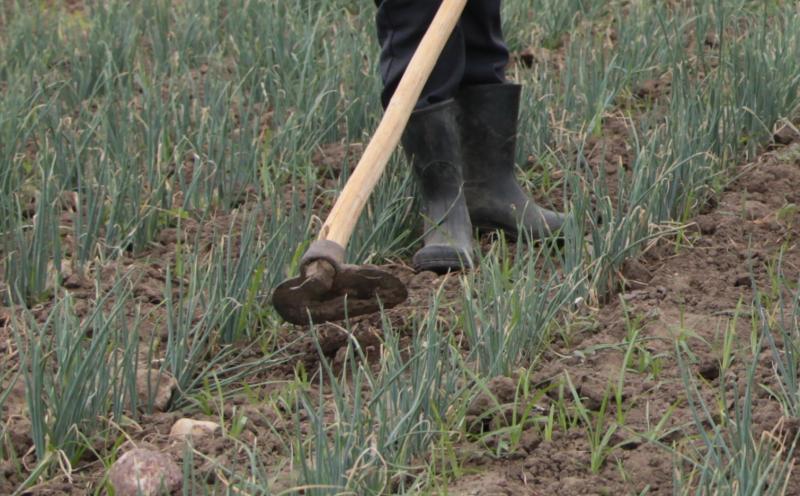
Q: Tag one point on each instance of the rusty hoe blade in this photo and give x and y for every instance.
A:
(328, 290)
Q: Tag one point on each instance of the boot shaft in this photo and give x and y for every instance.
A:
(432, 142)
(488, 117)
(488, 124)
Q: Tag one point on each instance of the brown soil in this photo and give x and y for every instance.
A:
(694, 287)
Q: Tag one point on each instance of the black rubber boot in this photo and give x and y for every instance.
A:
(488, 122)
(432, 143)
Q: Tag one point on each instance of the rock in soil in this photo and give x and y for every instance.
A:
(146, 473)
(530, 440)
(195, 429)
(155, 384)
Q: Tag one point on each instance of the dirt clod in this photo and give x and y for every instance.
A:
(712, 40)
(754, 210)
(788, 429)
(635, 274)
(331, 339)
(741, 280)
(486, 411)
(593, 393)
(709, 370)
(19, 432)
(652, 88)
(707, 224)
(526, 58)
(786, 135)
(530, 440)
(502, 389)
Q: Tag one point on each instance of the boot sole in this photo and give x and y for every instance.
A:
(441, 259)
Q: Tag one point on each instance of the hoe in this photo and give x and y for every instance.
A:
(327, 288)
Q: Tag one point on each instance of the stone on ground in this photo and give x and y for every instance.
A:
(145, 472)
(195, 429)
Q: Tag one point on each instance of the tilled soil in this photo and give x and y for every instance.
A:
(693, 287)
(696, 289)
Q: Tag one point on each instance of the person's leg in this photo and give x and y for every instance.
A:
(432, 138)
(401, 25)
(489, 109)
(432, 141)
(485, 50)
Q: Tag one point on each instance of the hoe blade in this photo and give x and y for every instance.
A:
(355, 290)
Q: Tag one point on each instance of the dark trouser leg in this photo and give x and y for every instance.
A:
(401, 25)
(486, 53)
(474, 55)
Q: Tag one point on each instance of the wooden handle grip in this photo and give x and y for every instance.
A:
(347, 209)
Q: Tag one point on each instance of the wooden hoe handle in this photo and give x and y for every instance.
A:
(345, 213)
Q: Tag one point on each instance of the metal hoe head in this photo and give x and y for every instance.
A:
(328, 290)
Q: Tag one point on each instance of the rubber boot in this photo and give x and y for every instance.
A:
(488, 122)
(432, 143)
